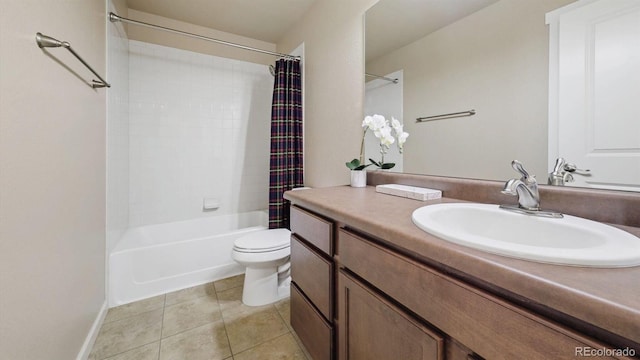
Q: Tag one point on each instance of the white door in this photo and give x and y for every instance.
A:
(599, 92)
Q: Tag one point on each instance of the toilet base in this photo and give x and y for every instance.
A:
(264, 286)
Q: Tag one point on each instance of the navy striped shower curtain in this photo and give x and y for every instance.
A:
(285, 172)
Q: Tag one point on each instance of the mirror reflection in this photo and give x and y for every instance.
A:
(493, 57)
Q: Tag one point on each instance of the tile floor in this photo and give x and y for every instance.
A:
(203, 322)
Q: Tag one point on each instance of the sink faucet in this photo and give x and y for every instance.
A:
(562, 172)
(526, 188)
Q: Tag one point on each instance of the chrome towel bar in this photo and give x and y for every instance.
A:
(446, 116)
(44, 41)
(395, 81)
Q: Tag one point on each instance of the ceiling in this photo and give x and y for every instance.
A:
(265, 20)
(392, 24)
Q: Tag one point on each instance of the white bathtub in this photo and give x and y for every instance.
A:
(156, 259)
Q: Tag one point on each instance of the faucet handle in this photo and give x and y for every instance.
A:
(574, 168)
(560, 163)
(517, 166)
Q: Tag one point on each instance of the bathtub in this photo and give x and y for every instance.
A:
(156, 259)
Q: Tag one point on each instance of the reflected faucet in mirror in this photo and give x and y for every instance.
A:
(562, 172)
(526, 189)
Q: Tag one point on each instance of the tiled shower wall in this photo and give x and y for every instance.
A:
(117, 133)
(199, 128)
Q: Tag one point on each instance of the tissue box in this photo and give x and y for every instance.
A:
(411, 192)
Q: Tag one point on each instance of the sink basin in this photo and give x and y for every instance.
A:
(569, 241)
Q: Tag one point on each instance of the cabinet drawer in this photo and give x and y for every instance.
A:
(314, 332)
(493, 328)
(313, 229)
(313, 274)
(371, 327)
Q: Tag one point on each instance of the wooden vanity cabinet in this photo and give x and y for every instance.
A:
(355, 298)
(491, 327)
(312, 282)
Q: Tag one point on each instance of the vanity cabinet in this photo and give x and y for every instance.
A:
(493, 328)
(354, 297)
(312, 282)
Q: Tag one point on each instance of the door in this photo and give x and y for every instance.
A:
(599, 92)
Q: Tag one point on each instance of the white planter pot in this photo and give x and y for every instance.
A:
(358, 178)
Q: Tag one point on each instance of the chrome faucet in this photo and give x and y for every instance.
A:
(562, 172)
(526, 189)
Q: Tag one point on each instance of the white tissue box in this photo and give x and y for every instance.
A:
(411, 192)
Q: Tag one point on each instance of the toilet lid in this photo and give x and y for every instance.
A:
(263, 241)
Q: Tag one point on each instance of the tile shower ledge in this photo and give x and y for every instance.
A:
(606, 298)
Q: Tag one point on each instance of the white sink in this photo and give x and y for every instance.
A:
(569, 241)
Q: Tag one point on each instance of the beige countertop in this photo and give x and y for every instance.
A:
(606, 298)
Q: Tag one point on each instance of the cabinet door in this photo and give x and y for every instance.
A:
(370, 327)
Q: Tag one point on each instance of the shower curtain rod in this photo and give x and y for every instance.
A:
(114, 18)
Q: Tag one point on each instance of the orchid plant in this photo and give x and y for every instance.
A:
(384, 132)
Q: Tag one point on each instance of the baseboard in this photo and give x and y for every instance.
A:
(93, 333)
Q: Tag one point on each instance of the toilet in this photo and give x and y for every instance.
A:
(265, 254)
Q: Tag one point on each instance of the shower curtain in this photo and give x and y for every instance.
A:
(285, 172)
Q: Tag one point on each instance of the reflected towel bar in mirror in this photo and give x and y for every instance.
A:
(395, 81)
(446, 116)
(44, 41)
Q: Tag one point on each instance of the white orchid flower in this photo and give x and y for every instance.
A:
(386, 139)
(402, 138)
(378, 122)
(397, 126)
(367, 122)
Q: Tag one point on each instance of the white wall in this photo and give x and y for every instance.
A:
(52, 178)
(117, 133)
(199, 127)
(333, 37)
(385, 98)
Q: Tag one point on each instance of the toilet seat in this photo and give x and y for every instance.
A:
(263, 241)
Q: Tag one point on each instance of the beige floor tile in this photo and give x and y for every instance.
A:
(190, 314)
(147, 352)
(229, 283)
(248, 329)
(284, 309)
(229, 299)
(190, 294)
(208, 342)
(231, 303)
(283, 348)
(121, 335)
(134, 308)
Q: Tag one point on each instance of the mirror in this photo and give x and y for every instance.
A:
(490, 56)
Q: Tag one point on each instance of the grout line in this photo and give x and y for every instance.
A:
(164, 307)
(137, 347)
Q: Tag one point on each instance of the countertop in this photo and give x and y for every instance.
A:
(606, 298)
